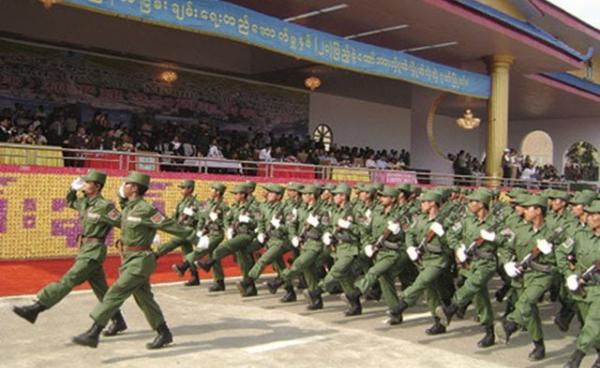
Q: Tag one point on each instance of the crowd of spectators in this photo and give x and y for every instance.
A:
(61, 127)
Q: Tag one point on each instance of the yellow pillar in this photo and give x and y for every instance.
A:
(497, 134)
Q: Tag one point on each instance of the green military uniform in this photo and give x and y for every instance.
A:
(186, 215)
(345, 240)
(305, 234)
(429, 250)
(475, 244)
(584, 248)
(139, 222)
(210, 219)
(385, 233)
(273, 225)
(533, 283)
(240, 224)
(97, 216)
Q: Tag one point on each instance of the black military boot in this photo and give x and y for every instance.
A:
(460, 312)
(195, 280)
(436, 329)
(538, 352)
(564, 317)
(504, 330)
(206, 265)
(575, 359)
(290, 295)
(314, 298)
(301, 285)
(501, 293)
(274, 284)
(180, 268)
(250, 289)
(29, 312)
(488, 339)
(374, 293)
(90, 337)
(353, 300)
(445, 313)
(395, 316)
(218, 285)
(242, 286)
(163, 338)
(117, 325)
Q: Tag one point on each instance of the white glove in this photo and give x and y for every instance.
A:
(276, 222)
(394, 227)
(229, 233)
(312, 220)
(188, 211)
(413, 253)
(261, 238)
(326, 238)
(544, 246)
(487, 235)
(461, 253)
(121, 191)
(199, 233)
(573, 282)
(438, 229)
(77, 184)
(244, 219)
(295, 241)
(511, 269)
(213, 216)
(156, 239)
(369, 251)
(368, 214)
(344, 224)
(203, 243)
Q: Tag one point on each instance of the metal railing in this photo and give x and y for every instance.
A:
(28, 155)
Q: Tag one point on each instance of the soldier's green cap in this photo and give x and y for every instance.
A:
(431, 195)
(535, 200)
(443, 192)
(342, 189)
(274, 188)
(187, 184)
(219, 187)
(416, 190)
(359, 187)
(377, 186)
(559, 194)
(250, 186)
(239, 188)
(594, 207)
(480, 195)
(520, 198)
(311, 189)
(515, 192)
(138, 178)
(388, 192)
(95, 176)
(329, 187)
(583, 197)
(371, 189)
(407, 188)
(294, 186)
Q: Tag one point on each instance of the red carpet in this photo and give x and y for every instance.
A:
(28, 277)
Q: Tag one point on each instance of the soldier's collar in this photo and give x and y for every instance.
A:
(133, 202)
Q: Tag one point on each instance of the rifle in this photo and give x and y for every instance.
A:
(535, 253)
(586, 277)
(496, 224)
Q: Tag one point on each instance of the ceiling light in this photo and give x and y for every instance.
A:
(429, 47)
(376, 31)
(316, 12)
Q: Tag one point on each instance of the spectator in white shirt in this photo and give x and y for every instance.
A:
(265, 154)
(214, 151)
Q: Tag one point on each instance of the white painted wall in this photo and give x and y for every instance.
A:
(564, 132)
(360, 123)
(449, 137)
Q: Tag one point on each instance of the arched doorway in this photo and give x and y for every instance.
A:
(323, 134)
(539, 147)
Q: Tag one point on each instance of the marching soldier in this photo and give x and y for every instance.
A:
(210, 233)
(97, 217)
(529, 260)
(186, 215)
(138, 222)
